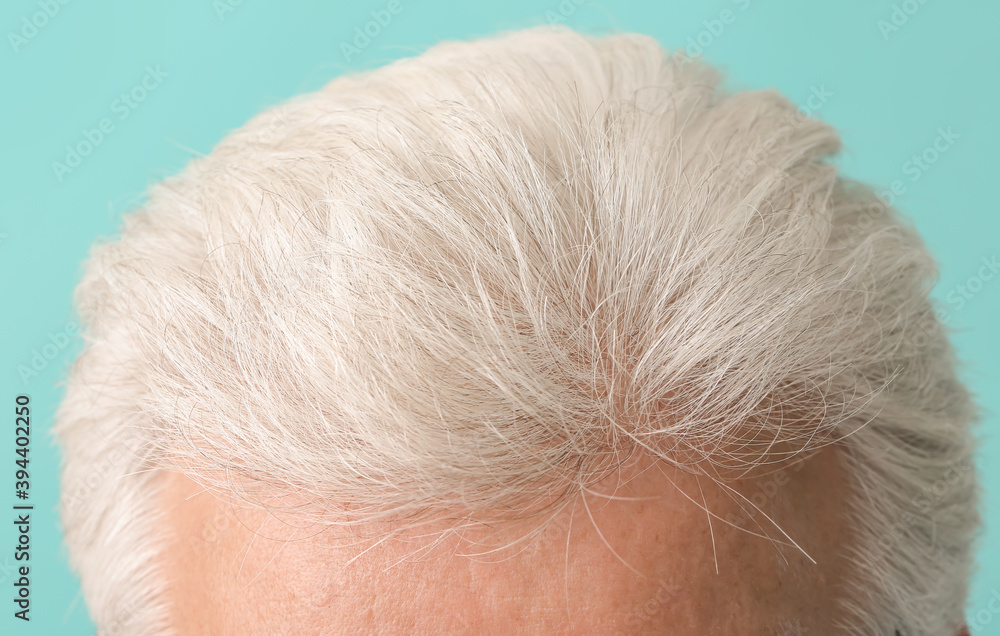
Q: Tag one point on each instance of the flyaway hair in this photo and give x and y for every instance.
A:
(479, 278)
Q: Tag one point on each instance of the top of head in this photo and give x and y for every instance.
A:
(475, 281)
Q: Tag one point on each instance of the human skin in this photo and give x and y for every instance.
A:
(684, 576)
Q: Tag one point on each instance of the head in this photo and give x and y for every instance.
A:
(543, 333)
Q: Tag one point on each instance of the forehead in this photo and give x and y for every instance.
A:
(670, 552)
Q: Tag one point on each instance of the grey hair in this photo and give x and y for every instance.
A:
(475, 278)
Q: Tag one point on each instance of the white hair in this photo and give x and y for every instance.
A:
(472, 279)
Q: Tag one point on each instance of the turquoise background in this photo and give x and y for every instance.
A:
(888, 92)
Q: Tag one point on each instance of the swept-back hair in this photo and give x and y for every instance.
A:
(478, 278)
